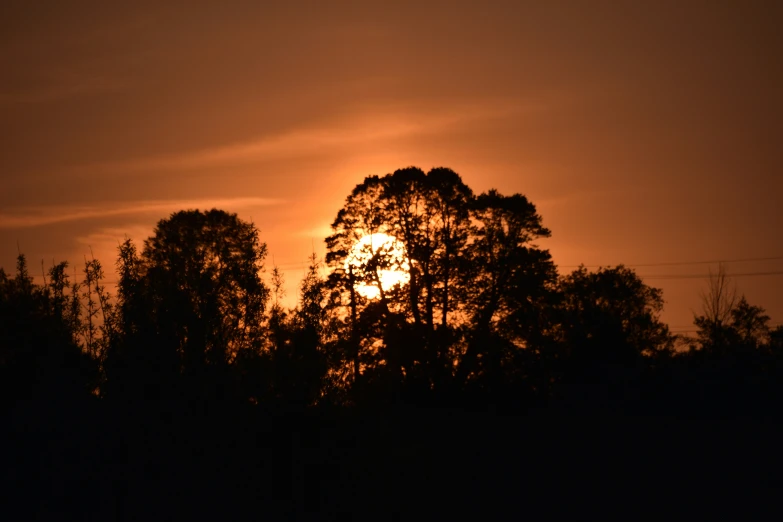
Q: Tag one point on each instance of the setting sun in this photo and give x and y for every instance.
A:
(381, 258)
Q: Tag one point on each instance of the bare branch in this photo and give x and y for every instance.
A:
(720, 298)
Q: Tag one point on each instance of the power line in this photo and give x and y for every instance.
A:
(679, 263)
(643, 276)
(638, 265)
(704, 276)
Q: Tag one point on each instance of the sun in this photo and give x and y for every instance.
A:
(378, 258)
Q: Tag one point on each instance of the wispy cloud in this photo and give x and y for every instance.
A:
(367, 126)
(590, 196)
(39, 216)
(61, 87)
(314, 232)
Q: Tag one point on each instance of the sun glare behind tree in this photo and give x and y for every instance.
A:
(379, 264)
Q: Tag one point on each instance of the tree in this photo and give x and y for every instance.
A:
(40, 332)
(98, 327)
(718, 303)
(472, 266)
(611, 338)
(776, 339)
(720, 298)
(610, 315)
(727, 322)
(450, 200)
(142, 361)
(508, 281)
(428, 214)
(207, 267)
(509, 274)
(750, 323)
(195, 293)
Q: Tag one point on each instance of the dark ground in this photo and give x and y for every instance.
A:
(90, 462)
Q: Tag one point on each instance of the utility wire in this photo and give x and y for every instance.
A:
(643, 276)
(679, 263)
(703, 276)
(639, 265)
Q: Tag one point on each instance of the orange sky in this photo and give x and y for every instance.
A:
(645, 132)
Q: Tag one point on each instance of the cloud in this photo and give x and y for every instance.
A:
(314, 232)
(61, 87)
(366, 125)
(39, 216)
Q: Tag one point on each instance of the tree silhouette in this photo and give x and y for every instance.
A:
(40, 327)
(610, 332)
(776, 339)
(195, 379)
(142, 362)
(508, 281)
(750, 323)
(611, 315)
(195, 293)
(474, 274)
(207, 267)
(718, 303)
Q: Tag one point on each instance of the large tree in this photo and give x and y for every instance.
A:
(471, 263)
(509, 285)
(194, 298)
(509, 273)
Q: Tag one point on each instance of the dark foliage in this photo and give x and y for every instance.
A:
(194, 393)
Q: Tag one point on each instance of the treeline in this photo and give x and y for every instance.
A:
(481, 319)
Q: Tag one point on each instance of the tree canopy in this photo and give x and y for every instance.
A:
(429, 293)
